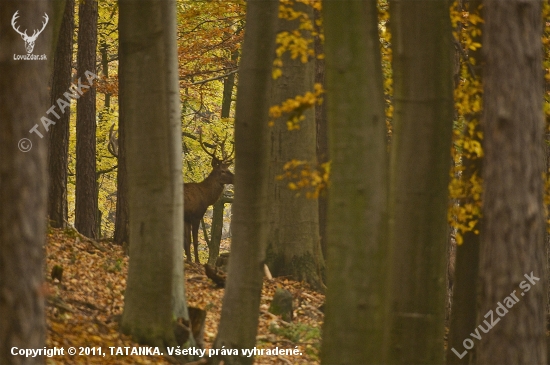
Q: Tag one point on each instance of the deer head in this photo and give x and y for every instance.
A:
(29, 40)
(220, 167)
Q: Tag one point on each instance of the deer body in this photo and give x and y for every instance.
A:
(198, 197)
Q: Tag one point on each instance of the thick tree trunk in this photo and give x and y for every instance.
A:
(86, 179)
(59, 135)
(294, 248)
(421, 142)
(513, 226)
(23, 182)
(149, 81)
(241, 303)
(356, 306)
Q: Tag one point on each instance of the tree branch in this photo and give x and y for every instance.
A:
(214, 78)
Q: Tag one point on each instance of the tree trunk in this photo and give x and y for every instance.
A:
(513, 225)
(59, 135)
(86, 179)
(421, 142)
(241, 303)
(228, 85)
(217, 230)
(219, 206)
(23, 193)
(293, 247)
(122, 217)
(105, 69)
(149, 84)
(356, 305)
(465, 283)
(322, 131)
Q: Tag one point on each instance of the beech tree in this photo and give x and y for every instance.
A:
(419, 176)
(59, 136)
(155, 294)
(512, 263)
(241, 303)
(23, 173)
(356, 305)
(86, 181)
(294, 247)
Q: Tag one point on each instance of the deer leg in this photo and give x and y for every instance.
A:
(187, 241)
(195, 228)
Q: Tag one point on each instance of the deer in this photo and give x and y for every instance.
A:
(199, 196)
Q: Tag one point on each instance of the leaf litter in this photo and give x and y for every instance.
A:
(83, 309)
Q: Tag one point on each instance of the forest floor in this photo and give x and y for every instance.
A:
(83, 308)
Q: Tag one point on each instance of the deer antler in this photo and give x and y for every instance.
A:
(36, 33)
(13, 19)
(213, 155)
(227, 158)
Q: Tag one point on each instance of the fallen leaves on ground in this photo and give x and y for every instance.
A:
(83, 308)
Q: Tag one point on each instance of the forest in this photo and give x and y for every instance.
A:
(274, 182)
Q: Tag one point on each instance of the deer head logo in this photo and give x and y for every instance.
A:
(29, 40)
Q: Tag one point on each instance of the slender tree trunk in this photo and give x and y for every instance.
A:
(356, 306)
(219, 206)
(421, 142)
(513, 225)
(23, 182)
(149, 83)
(86, 180)
(465, 283)
(59, 135)
(241, 303)
(217, 230)
(294, 248)
(228, 85)
(322, 131)
(122, 217)
(105, 69)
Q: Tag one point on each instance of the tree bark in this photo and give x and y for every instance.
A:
(294, 248)
(419, 174)
(356, 304)
(217, 230)
(122, 217)
(241, 303)
(86, 180)
(59, 135)
(23, 181)
(219, 206)
(322, 133)
(513, 226)
(149, 80)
